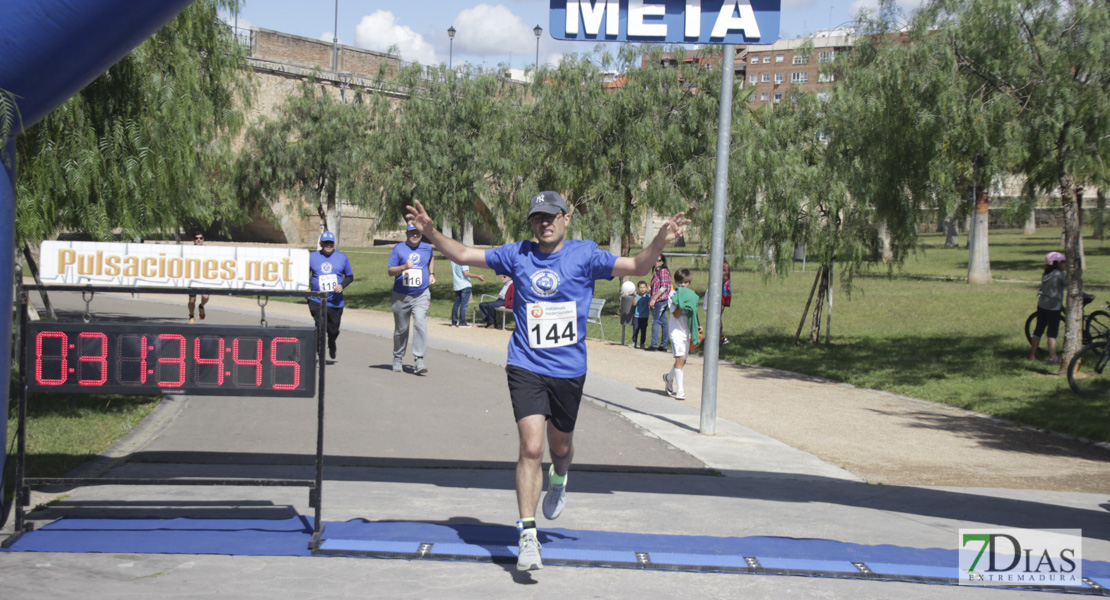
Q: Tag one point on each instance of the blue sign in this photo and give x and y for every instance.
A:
(666, 21)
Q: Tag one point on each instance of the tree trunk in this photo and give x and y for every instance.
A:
(649, 229)
(1100, 217)
(885, 253)
(1074, 267)
(809, 301)
(1031, 223)
(448, 231)
(468, 233)
(822, 289)
(951, 233)
(979, 259)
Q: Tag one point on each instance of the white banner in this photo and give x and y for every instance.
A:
(171, 265)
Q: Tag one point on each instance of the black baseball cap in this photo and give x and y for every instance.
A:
(547, 203)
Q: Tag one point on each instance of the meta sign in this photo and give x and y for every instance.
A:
(666, 21)
(155, 359)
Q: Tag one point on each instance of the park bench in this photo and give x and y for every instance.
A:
(593, 316)
(501, 309)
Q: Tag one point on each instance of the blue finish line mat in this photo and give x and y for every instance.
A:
(497, 543)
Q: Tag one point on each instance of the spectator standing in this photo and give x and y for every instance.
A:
(1050, 301)
(640, 315)
(460, 280)
(198, 240)
(329, 271)
(413, 268)
(683, 306)
(661, 288)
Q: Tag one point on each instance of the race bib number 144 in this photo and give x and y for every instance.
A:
(552, 324)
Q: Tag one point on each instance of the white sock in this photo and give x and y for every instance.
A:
(678, 389)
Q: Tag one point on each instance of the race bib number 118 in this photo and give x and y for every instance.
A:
(552, 324)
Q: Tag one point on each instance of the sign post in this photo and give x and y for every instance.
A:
(726, 22)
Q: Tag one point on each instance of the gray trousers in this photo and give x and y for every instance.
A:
(415, 307)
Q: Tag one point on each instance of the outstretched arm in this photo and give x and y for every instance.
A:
(641, 263)
(452, 249)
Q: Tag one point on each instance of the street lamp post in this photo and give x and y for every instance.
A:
(335, 40)
(538, 31)
(451, 46)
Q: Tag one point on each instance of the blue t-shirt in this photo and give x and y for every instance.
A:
(566, 276)
(421, 257)
(643, 311)
(459, 280)
(331, 270)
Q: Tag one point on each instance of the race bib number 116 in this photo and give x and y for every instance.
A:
(552, 324)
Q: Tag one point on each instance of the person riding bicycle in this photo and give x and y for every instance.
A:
(1050, 301)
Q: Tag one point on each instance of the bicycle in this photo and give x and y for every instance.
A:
(1095, 325)
(1087, 374)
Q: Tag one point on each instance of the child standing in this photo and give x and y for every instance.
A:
(640, 317)
(683, 309)
(1050, 301)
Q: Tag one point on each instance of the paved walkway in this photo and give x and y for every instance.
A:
(440, 448)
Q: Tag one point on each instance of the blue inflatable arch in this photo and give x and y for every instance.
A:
(49, 50)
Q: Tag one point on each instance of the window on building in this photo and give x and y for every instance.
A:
(799, 77)
(767, 59)
(766, 78)
(801, 59)
(778, 78)
(755, 59)
(823, 96)
(764, 96)
(778, 97)
(753, 78)
(780, 57)
(825, 78)
(826, 56)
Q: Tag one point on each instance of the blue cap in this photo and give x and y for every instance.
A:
(410, 227)
(327, 236)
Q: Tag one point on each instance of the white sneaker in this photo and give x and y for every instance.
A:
(667, 384)
(528, 554)
(464, 325)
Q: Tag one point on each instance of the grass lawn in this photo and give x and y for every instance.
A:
(65, 431)
(905, 331)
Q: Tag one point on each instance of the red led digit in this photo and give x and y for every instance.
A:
(286, 363)
(198, 373)
(179, 360)
(239, 362)
(64, 370)
(126, 342)
(102, 358)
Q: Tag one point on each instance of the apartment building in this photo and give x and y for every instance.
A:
(773, 70)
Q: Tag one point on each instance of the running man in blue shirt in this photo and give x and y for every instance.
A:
(330, 271)
(554, 280)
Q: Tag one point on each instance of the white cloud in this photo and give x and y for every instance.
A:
(232, 21)
(487, 30)
(380, 30)
(908, 7)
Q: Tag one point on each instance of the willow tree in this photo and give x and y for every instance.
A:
(445, 146)
(617, 146)
(316, 142)
(144, 147)
(1049, 59)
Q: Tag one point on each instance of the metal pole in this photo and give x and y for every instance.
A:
(335, 40)
(717, 250)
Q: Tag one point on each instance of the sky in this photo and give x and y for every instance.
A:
(488, 34)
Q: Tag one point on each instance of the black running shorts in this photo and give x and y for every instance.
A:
(535, 394)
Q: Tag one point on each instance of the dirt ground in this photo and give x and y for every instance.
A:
(879, 437)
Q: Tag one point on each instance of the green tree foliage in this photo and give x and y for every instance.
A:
(144, 147)
(317, 147)
(454, 147)
(647, 139)
(1047, 60)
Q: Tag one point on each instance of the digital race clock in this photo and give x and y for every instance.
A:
(140, 359)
